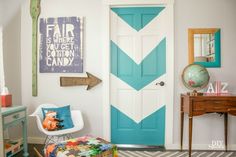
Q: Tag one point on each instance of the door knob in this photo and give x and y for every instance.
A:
(160, 83)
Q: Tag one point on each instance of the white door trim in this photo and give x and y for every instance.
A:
(137, 2)
(106, 64)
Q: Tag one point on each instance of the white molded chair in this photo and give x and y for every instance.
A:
(76, 117)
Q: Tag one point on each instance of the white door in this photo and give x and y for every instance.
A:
(138, 50)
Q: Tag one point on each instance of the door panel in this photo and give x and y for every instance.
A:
(143, 133)
(137, 17)
(138, 62)
(121, 62)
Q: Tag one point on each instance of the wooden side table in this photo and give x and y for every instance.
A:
(14, 116)
(200, 105)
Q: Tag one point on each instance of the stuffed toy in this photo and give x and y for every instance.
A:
(52, 123)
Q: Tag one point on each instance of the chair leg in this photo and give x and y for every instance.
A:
(48, 140)
(55, 139)
(69, 136)
(37, 152)
(45, 141)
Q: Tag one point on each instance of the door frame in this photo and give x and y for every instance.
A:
(107, 4)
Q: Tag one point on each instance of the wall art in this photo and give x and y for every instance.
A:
(61, 45)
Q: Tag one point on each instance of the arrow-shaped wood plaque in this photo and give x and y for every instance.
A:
(90, 81)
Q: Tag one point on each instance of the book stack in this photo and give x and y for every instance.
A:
(217, 88)
(12, 147)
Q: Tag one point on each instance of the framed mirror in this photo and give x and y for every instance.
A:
(204, 46)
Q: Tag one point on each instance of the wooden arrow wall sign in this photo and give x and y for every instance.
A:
(90, 81)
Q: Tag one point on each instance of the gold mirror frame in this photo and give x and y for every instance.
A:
(216, 32)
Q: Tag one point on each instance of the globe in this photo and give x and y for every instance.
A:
(195, 77)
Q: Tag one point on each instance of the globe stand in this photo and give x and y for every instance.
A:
(194, 93)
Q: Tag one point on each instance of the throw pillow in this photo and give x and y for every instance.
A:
(57, 118)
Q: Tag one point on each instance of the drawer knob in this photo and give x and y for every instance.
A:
(16, 116)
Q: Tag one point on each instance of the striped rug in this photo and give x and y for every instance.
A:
(123, 153)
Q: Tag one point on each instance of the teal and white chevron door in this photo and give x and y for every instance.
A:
(138, 61)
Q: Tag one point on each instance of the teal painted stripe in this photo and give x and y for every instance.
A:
(139, 75)
(150, 131)
(137, 17)
(217, 62)
(217, 49)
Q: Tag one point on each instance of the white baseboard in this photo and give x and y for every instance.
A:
(40, 140)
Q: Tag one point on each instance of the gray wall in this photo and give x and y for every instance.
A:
(200, 14)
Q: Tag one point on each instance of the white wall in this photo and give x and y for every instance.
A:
(11, 52)
(188, 14)
(49, 90)
(202, 13)
(10, 21)
(1, 61)
(11, 56)
(1, 11)
(1, 21)
(10, 8)
(1, 73)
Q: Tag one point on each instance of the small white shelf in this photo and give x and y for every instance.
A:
(13, 147)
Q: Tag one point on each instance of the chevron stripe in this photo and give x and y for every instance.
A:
(123, 66)
(123, 153)
(125, 130)
(137, 17)
(156, 98)
(125, 36)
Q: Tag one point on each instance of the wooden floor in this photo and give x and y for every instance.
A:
(31, 150)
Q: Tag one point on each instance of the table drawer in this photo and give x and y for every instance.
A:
(211, 106)
(13, 117)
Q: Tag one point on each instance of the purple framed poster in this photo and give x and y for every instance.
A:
(61, 45)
